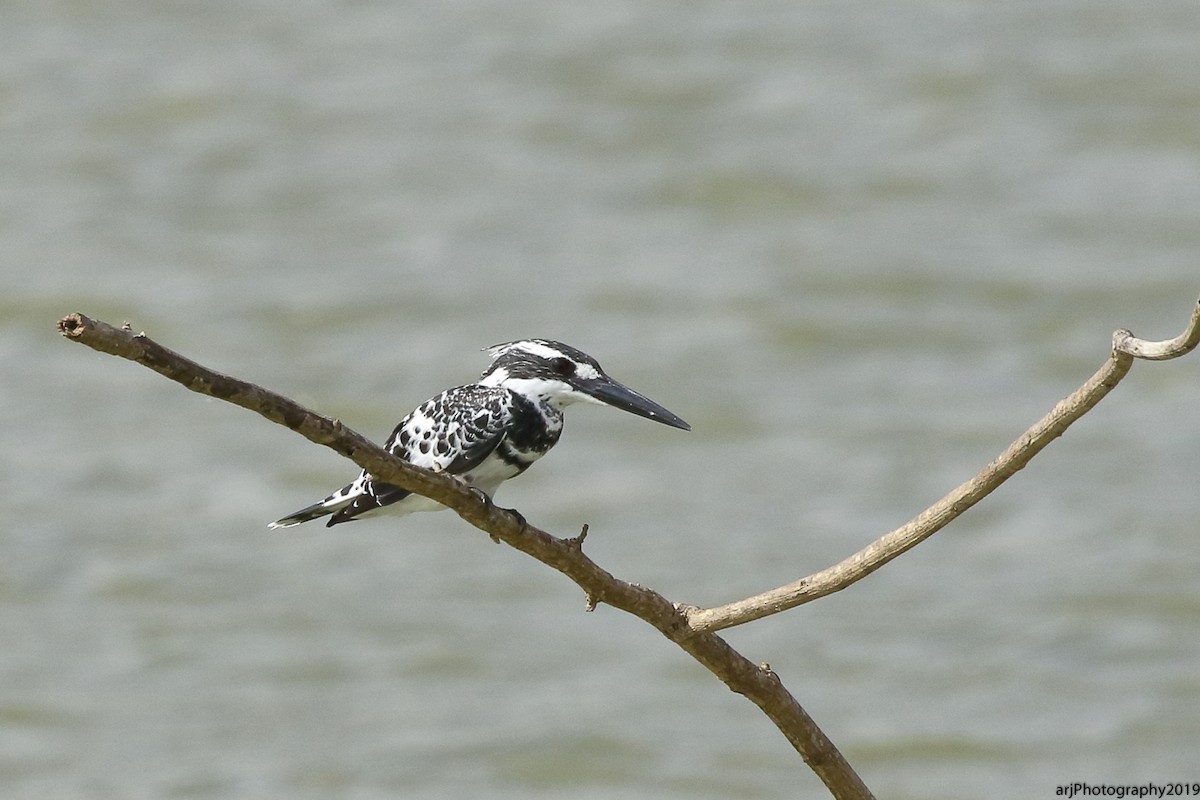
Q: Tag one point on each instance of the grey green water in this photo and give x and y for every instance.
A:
(859, 246)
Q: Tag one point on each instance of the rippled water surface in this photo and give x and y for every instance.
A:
(859, 246)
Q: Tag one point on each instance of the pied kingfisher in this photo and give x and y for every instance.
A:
(487, 432)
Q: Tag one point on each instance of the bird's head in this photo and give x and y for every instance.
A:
(559, 374)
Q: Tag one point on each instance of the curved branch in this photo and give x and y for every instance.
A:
(1125, 349)
(1184, 343)
(756, 682)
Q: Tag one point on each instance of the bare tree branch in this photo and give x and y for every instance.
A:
(756, 682)
(692, 628)
(1125, 349)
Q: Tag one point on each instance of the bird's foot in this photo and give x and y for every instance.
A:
(519, 518)
(487, 501)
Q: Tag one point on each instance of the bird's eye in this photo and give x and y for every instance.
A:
(563, 366)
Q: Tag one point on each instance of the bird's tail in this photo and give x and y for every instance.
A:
(330, 505)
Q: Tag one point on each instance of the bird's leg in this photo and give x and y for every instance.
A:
(486, 499)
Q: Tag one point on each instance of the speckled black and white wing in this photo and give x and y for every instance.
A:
(479, 433)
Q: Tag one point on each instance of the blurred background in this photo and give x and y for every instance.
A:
(859, 246)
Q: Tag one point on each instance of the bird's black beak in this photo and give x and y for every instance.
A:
(608, 391)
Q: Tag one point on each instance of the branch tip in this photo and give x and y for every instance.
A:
(72, 324)
(1126, 343)
(576, 542)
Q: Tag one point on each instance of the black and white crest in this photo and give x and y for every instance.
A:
(487, 432)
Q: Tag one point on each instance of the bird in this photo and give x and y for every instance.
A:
(486, 432)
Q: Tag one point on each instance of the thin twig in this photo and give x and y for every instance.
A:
(757, 683)
(850, 570)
